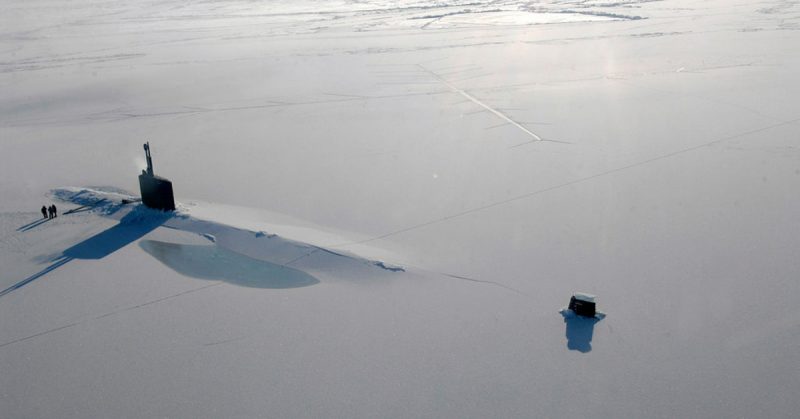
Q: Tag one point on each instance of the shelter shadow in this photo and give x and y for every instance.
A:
(580, 331)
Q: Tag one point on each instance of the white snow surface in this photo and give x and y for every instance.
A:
(584, 296)
(401, 196)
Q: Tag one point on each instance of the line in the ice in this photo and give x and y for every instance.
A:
(483, 281)
(37, 335)
(565, 184)
(477, 101)
(169, 297)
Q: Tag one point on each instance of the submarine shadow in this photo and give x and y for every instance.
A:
(130, 228)
(215, 263)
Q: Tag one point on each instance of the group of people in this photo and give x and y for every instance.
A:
(50, 212)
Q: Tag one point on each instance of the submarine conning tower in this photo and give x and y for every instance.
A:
(156, 190)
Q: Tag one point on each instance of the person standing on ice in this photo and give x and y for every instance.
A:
(44, 211)
(55, 211)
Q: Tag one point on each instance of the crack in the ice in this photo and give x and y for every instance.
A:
(477, 101)
(482, 281)
(169, 297)
(565, 184)
(38, 334)
(221, 342)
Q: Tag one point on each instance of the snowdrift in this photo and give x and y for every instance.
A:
(255, 258)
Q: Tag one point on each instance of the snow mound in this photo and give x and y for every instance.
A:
(232, 245)
(217, 263)
(103, 200)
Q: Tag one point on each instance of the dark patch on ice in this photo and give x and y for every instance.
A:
(580, 330)
(389, 267)
(217, 263)
(331, 252)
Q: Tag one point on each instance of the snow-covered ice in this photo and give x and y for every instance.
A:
(401, 196)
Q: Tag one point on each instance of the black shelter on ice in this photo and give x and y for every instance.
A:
(156, 190)
(583, 304)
